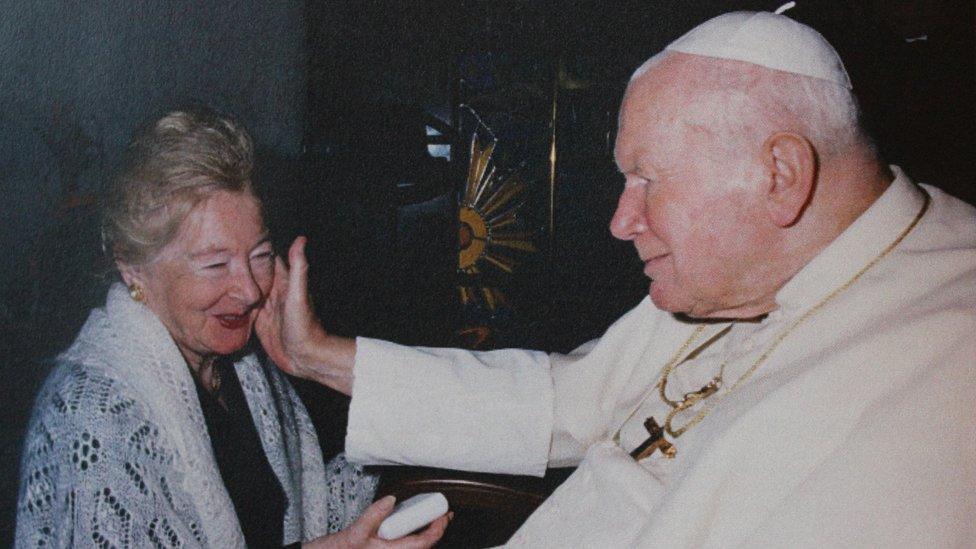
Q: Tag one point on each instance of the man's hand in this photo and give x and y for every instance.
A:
(362, 533)
(286, 325)
(292, 336)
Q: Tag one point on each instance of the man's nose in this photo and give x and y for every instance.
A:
(629, 221)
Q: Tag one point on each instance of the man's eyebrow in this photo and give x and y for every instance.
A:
(636, 169)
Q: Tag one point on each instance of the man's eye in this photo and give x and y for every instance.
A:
(215, 266)
(264, 256)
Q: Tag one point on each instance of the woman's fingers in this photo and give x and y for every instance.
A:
(369, 522)
(363, 531)
(427, 538)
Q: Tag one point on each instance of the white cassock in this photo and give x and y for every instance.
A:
(859, 429)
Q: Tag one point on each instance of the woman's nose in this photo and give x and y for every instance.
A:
(246, 287)
(628, 220)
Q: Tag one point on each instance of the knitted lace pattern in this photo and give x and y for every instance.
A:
(118, 455)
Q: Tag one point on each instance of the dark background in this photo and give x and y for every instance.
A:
(338, 95)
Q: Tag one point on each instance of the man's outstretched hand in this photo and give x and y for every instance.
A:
(291, 335)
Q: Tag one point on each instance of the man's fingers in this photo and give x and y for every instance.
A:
(269, 319)
(281, 269)
(298, 272)
(269, 313)
(279, 287)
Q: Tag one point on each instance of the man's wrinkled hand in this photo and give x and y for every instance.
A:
(286, 325)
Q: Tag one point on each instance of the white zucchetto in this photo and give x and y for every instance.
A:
(766, 39)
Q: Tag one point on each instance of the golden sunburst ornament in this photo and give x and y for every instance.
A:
(487, 221)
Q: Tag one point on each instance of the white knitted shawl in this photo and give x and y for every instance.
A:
(118, 454)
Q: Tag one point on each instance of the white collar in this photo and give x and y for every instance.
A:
(854, 248)
(138, 322)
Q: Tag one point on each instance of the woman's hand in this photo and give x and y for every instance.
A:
(292, 336)
(362, 533)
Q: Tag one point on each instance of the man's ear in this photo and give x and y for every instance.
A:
(791, 163)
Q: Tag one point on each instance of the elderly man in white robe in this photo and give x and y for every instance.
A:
(802, 374)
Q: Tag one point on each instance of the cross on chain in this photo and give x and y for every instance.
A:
(655, 441)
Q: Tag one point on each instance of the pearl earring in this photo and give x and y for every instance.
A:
(135, 292)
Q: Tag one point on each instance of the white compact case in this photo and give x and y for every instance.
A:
(413, 513)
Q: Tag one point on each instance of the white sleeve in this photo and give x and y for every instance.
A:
(472, 411)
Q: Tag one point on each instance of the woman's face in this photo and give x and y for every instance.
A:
(208, 283)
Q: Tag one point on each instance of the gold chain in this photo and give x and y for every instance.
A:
(672, 362)
(712, 387)
(689, 402)
(693, 398)
(707, 390)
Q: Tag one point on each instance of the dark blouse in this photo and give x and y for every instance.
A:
(251, 483)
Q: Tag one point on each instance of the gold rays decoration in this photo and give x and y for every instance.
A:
(488, 222)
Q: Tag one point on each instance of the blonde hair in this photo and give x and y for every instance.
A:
(169, 168)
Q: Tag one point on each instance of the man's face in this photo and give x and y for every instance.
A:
(207, 284)
(688, 205)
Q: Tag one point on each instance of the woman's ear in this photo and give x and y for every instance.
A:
(132, 275)
(791, 163)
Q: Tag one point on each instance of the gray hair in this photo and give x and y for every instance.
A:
(169, 168)
(748, 99)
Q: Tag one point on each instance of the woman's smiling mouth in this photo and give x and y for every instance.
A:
(233, 322)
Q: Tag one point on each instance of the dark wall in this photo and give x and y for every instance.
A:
(78, 77)
(911, 62)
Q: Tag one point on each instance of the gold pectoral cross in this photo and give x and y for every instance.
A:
(655, 441)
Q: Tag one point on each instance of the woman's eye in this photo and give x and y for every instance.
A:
(215, 266)
(264, 256)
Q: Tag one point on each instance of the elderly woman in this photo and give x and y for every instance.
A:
(155, 427)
